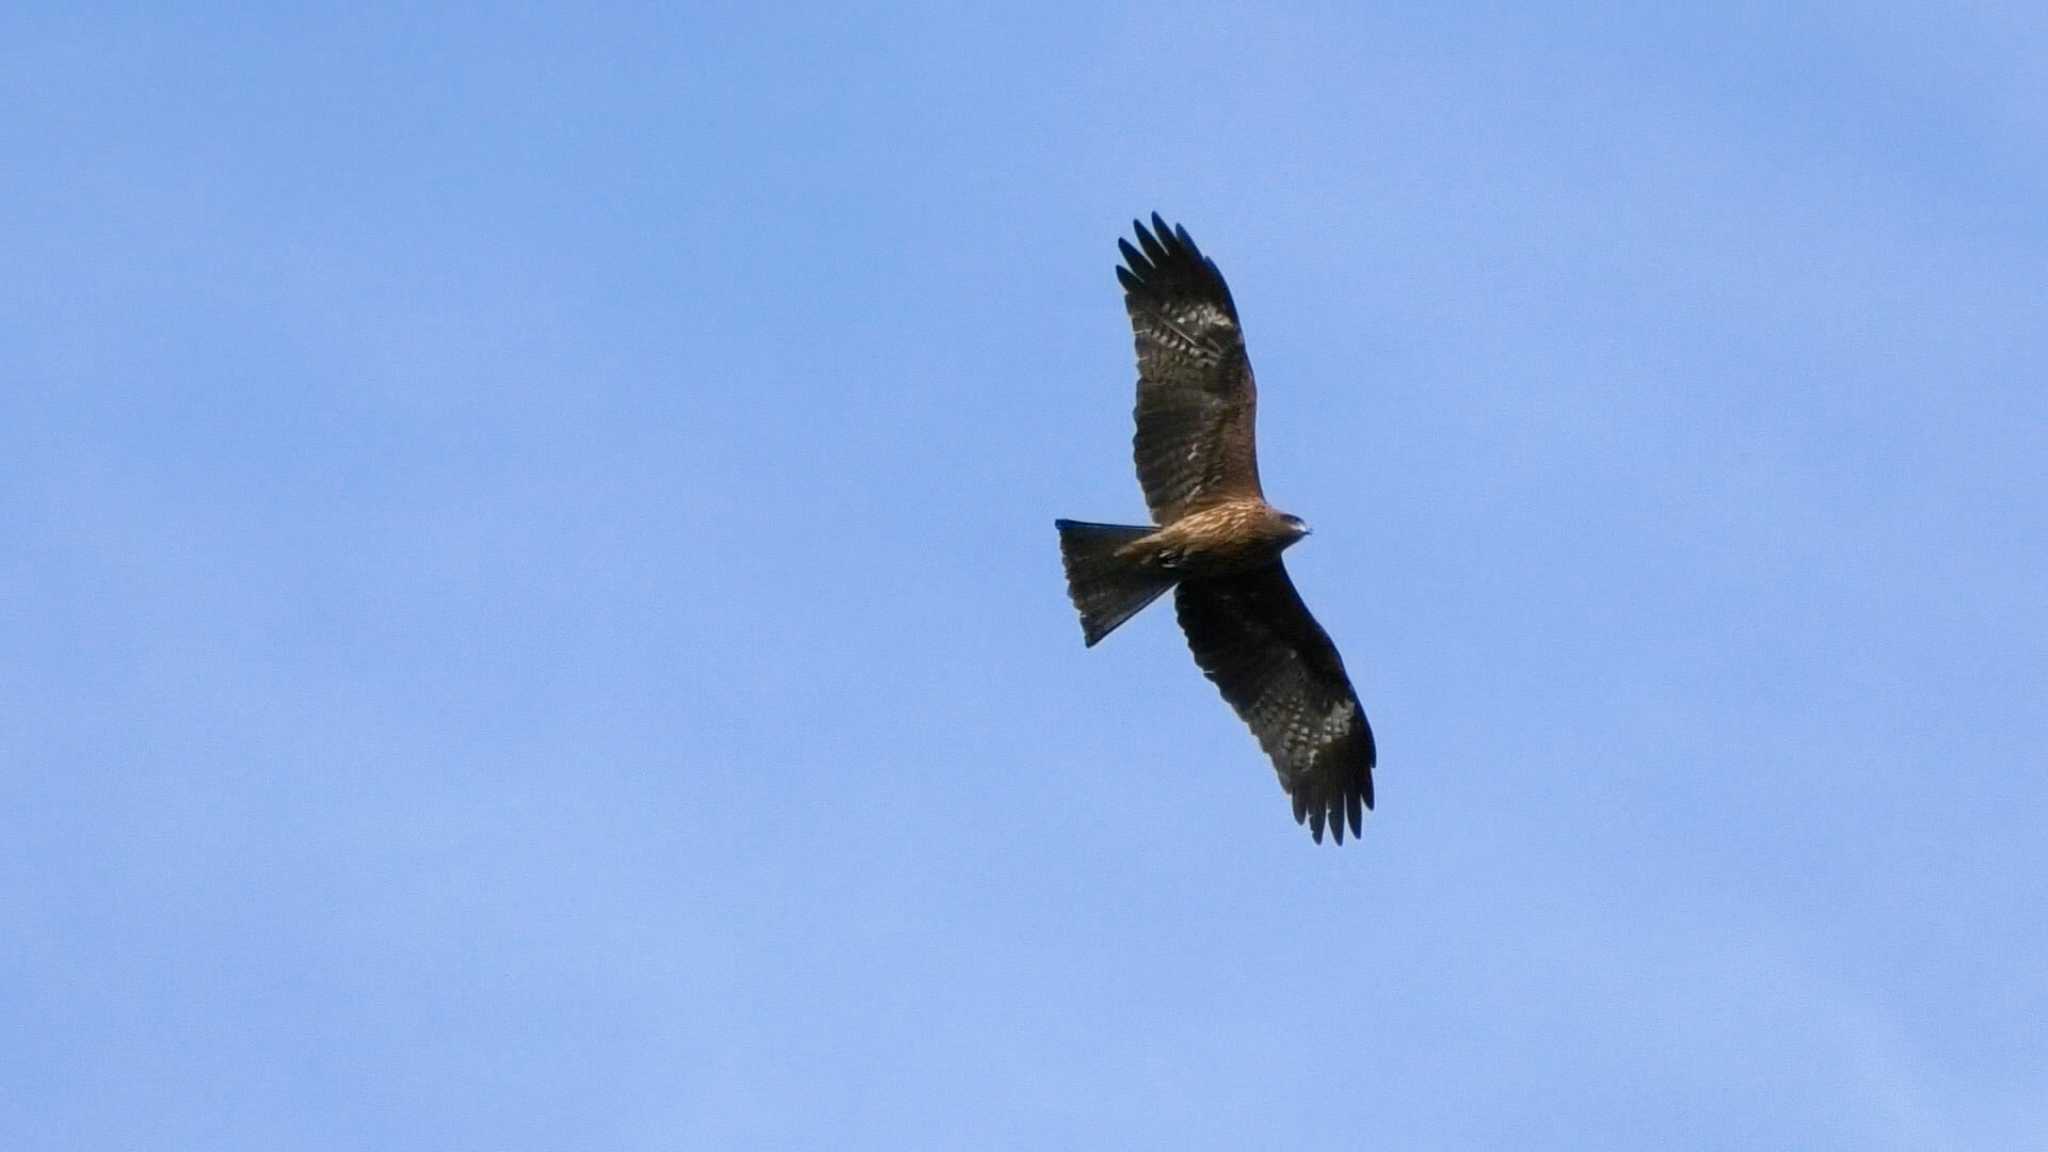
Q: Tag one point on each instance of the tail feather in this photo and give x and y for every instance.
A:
(1107, 589)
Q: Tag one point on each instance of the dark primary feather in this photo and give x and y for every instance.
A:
(1197, 402)
(1254, 637)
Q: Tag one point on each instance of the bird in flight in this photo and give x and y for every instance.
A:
(1216, 542)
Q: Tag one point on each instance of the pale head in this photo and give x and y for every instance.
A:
(1290, 527)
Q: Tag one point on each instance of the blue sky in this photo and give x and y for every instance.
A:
(532, 618)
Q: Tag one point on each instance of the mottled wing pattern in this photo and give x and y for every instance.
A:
(1196, 398)
(1254, 637)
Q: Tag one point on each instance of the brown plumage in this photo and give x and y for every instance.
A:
(1217, 541)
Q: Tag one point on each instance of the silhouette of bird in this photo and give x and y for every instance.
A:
(1215, 541)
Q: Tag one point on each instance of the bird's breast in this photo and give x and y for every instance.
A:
(1214, 541)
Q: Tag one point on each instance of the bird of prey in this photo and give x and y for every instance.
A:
(1216, 541)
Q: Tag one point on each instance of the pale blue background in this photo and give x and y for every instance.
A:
(530, 616)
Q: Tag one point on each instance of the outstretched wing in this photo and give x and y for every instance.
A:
(1196, 397)
(1254, 637)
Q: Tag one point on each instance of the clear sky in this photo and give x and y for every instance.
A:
(530, 616)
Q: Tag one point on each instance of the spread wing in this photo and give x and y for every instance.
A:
(1196, 398)
(1254, 637)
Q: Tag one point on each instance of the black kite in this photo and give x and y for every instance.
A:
(1217, 542)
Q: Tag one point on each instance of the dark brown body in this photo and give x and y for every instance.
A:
(1225, 539)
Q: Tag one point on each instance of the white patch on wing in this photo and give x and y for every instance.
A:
(1338, 719)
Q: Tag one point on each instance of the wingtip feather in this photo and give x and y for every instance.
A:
(1154, 250)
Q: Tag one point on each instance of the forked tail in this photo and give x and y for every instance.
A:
(1107, 588)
